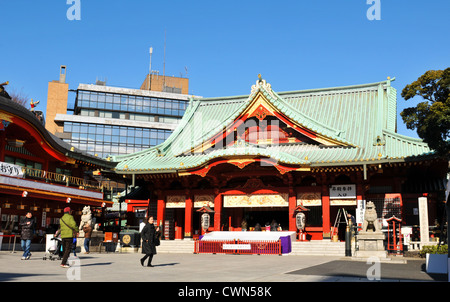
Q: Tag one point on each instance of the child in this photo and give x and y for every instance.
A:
(74, 247)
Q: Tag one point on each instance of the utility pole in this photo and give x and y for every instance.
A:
(164, 64)
(447, 208)
(447, 212)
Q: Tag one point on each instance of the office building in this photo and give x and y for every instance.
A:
(109, 120)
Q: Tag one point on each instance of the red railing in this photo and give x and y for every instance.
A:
(9, 244)
(245, 247)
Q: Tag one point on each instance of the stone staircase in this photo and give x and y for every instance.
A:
(318, 248)
(315, 248)
(176, 246)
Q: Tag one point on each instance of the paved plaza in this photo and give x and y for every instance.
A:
(170, 267)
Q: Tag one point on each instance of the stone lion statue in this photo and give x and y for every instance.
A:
(86, 218)
(370, 219)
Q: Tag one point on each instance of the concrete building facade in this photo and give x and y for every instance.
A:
(113, 120)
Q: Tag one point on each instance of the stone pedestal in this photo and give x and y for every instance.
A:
(371, 245)
(96, 238)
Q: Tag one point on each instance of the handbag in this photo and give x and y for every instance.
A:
(157, 242)
(74, 232)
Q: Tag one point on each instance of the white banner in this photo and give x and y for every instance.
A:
(236, 246)
(360, 210)
(342, 191)
(11, 170)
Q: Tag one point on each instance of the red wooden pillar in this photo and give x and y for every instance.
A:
(217, 210)
(325, 208)
(188, 215)
(292, 206)
(161, 209)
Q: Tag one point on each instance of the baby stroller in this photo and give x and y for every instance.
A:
(55, 251)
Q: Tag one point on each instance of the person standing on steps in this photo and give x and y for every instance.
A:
(150, 235)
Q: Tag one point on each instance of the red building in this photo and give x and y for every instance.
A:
(42, 174)
(258, 157)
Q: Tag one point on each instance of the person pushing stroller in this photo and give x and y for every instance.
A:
(68, 229)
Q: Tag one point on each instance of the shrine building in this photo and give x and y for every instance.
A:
(263, 157)
(42, 174)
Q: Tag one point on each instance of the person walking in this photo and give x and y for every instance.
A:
(27, 224)
(149, 236)
(68, 229)
(87, 229)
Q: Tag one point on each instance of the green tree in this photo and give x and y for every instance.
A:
(431, 118)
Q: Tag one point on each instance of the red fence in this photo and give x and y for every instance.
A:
(9, 244)
(238, 247)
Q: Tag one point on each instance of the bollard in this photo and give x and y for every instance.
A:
(348, 242)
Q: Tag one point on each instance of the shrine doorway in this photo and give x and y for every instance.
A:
(341, 225)
(232, 218)
(267, 216)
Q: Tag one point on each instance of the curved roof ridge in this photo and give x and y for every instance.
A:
(374, 84)
(405, 138)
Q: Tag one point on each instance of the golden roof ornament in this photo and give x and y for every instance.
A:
(261, 84)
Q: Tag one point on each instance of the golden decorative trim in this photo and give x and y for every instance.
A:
(241, 163)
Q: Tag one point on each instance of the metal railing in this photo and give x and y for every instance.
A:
(243, 247)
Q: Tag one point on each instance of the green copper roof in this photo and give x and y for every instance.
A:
(360, 118)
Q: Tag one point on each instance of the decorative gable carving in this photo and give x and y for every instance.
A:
(262, 123)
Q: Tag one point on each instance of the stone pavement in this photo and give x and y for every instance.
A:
(125, 267)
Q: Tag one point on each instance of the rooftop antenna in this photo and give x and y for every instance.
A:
(150, 69)
(164, 65)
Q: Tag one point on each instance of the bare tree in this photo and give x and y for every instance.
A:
(19, 97)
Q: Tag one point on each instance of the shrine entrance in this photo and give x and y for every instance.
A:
(253, 210)
(232, 218)
(266, 217)
(340, 220)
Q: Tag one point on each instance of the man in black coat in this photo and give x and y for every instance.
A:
(149, 235)
(27, 224)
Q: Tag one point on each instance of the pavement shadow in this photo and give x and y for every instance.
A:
(97, 264)
(4, 277)
(435, 277)
(412, 271)
(166, 264)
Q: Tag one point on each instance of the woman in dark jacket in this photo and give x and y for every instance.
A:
(148, 234)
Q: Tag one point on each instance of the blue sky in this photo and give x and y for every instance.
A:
(224, 45)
